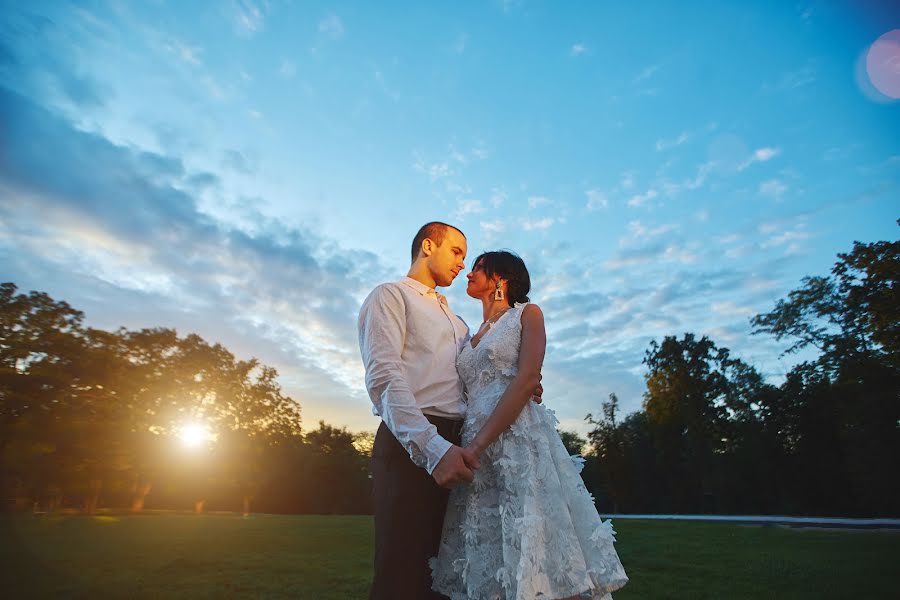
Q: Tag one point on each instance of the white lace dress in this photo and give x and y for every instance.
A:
(526, 527)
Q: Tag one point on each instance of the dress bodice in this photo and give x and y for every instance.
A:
(487, 369)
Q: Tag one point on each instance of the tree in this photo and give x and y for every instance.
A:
(573, 442)
(608, 445)
(840, 414)
(337, 478)
(850, 316)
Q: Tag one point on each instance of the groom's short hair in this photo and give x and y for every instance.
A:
(435, 230)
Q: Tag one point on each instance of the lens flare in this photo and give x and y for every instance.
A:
(883, 64)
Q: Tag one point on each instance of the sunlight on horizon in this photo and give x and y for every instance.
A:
(194, 435)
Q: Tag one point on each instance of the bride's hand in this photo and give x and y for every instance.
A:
(471, 456)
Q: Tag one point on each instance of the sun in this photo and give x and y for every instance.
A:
(194, 435)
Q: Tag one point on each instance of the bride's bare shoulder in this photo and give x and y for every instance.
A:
(532, 312)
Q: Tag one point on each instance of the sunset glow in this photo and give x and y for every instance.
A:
(194, 435)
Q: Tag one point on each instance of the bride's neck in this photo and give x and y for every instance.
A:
(491, 307)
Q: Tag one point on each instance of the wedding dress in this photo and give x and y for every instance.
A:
(526, 527)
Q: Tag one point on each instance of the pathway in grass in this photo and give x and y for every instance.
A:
(324, 557)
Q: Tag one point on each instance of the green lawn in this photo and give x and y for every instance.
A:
(214, 556)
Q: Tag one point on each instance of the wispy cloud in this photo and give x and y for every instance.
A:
(435, 171)
(578, 50)
(498, 197)
(388, 91)
(188, 54)
(642, 199)
(792, 80)
(596, 200)
(759, 156)
(468, 207)
(332, 26)
(545, 223)
(239, 162)
(663, 144)
(774, 188)
(535, 201)
(638, 232)
(645, 74)
(493, 227)
(249, 16)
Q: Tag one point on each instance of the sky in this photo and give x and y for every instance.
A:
(249, 170)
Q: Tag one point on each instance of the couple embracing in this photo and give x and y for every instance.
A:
(475, 495)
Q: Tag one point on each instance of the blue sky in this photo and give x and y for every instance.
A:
(249, 170)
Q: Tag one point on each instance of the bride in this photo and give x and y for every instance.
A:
(526, 527)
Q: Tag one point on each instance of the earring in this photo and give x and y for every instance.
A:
(498, 293)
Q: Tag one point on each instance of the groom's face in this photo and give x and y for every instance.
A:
(446, 261)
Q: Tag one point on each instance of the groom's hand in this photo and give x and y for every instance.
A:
(451, 470)
(536, 396)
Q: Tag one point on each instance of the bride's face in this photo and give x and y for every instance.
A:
(479, 284)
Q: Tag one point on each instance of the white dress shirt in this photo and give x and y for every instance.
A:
(409, 340)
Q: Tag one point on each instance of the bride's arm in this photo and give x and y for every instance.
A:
(520, 389)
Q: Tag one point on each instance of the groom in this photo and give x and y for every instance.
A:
(409, 340)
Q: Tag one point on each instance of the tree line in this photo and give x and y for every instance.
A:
(90, 418)
(714, 437)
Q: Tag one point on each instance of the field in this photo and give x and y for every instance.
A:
(329, 557)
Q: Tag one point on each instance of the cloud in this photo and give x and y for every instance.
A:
(642, 199)
(385, 88)
(248, 16)
(788, 237)
(535, 201)
(434, 171)
(498, 197)
(773, 188)
(238, 162)
(188, 54)
(637, 231)
(545, 223)
(332, 26)
(596, 200)
(467, 207)
(646, 73)
(662, 144)
(759, 156)
(792, 80)
(498, 226)
(578, 50)
(96, 220)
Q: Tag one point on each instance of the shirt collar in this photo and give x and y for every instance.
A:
(424, 289)
(417, 285)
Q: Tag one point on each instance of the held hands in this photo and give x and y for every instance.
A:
(456, 467)
(536, 396)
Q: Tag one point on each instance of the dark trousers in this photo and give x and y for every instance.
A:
(409, 516)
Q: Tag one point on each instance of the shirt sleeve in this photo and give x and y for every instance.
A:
(382, 331)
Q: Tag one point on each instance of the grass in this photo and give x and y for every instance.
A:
(319, 557)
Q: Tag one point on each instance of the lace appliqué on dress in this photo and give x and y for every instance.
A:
(526, 527)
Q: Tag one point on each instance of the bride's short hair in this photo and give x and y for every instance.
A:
(509, 266)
